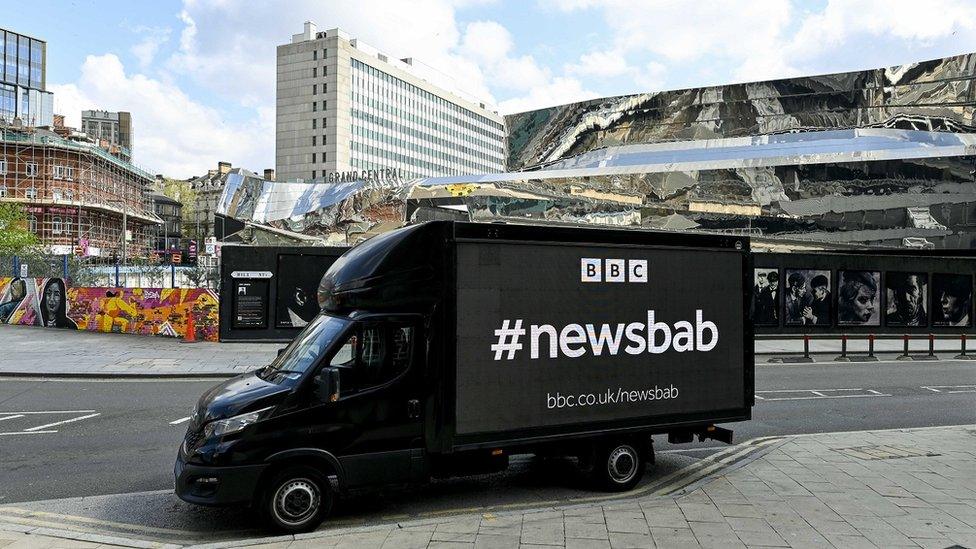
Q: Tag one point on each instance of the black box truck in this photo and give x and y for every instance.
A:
(444, 347)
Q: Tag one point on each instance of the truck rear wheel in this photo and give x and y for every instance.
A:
(297, 499)
(618, 466)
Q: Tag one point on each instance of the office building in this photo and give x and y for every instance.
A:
(24, 100)
(111, 131)
(347, 111)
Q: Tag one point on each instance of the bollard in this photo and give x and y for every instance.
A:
(904, 355)
(962, 344)
(806, 346)
(843, 350)
(871, 356)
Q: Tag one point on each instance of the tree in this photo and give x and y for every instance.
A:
(15, 237)
(181, 191)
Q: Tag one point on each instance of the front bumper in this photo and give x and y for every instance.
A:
(216, 486)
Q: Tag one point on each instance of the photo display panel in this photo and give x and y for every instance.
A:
(766, 292)
(858, 298)
(807, 297)
(907, 298)
(952, 300)
(552, 335)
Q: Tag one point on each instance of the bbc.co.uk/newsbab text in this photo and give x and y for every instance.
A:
(577, 340)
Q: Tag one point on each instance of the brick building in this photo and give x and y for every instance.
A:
(77, 194)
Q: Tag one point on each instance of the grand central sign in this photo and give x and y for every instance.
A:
(382, 174)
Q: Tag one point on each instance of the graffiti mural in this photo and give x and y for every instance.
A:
(167, 312)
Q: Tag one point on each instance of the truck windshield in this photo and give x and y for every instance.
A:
(307, 348)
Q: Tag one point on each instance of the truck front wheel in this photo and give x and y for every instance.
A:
(618, 466)
(297, 499)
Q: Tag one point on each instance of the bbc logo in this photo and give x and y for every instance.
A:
(613, 270)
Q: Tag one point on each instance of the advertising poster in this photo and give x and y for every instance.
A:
(551, 335)
(298, 278)
(907, 297)
(807, 297)
(858, 298)
(765, 297)
(952, 301)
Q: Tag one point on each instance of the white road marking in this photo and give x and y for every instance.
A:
(11, 417)
(27, 433)
(817, 394)
(72, 420)
(52, 412)
(181, 420)
(950, 389)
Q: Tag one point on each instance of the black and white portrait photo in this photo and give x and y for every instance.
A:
(765, 297)
(906, 294)
(807, 297)
(951, 299)
(858, 298)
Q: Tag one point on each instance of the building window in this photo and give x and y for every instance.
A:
(56, 193)
(3, 167)
(67, 225)
(313, 174)
(31, 169)
(324, 122)
(32, 223)
(313, 158)
(56, 225)
(313, 140)
(315, 54)
(3, 191)
(314, 122)
(315, 70)
(325, 106)
(30, 193)
(315, 89)
(315, 106)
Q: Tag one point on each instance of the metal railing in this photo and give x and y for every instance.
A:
(846, 356)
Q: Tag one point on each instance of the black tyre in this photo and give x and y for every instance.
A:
(618, 466)
(297, 500)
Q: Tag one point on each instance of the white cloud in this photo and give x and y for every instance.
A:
(173, 134)
(559, 91)
(146, 49)
(651, 77)
(600, 64)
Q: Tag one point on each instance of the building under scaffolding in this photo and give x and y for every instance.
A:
(77, 196)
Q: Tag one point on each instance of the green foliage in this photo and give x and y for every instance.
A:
(182, 192)
(14, 234)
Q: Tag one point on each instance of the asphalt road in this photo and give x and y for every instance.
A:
(112, 437)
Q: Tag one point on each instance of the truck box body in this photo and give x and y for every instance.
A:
(541, 333)
(553, 336)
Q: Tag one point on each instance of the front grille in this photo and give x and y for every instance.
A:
(192, 438)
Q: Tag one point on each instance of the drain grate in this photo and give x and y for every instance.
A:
(883, 452)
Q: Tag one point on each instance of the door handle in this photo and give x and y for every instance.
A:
(413, 409)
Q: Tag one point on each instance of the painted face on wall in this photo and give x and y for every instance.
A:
(52, 298)
(820, 292)
(864, 303)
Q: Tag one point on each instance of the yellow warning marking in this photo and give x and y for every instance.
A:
(461, 189)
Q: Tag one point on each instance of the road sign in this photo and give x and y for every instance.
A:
(177, 258)
(23, 270)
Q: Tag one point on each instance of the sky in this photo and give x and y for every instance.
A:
(198, 76)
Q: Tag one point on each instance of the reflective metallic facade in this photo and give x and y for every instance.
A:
(932, 95)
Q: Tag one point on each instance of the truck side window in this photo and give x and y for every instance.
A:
(402, 348)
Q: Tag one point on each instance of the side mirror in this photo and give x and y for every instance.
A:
(327, 385)
(281, 351)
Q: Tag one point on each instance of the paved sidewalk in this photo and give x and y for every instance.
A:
(47, 351)
(903, 488)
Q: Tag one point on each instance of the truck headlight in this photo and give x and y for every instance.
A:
(234, 424)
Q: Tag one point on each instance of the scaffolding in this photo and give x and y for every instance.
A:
(76, 195)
